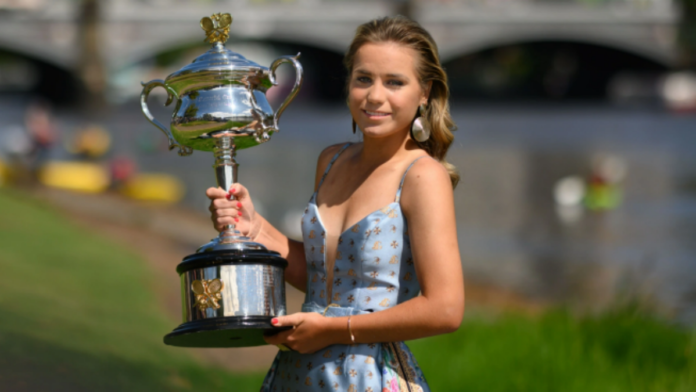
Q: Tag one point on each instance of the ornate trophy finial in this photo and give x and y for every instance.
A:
(217, 27)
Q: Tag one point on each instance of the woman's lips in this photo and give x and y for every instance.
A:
(372, 114)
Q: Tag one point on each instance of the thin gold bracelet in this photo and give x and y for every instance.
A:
(350, 331)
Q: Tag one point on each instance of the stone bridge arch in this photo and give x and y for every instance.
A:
(645, 47)
(48, 78)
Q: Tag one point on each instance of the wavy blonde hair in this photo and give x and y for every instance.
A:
(406, 32)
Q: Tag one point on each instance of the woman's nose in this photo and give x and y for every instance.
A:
(376, 94)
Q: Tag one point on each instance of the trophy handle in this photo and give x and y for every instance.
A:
(298, 83)
(147, 87)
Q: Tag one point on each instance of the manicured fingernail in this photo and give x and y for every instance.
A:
(239, 205)
(232, 190)
(274, 321)
(239, 213)
(236, 219)
(229, 196)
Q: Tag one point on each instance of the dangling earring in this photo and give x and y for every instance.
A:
(420, 130)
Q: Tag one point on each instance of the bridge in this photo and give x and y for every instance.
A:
(133, 30)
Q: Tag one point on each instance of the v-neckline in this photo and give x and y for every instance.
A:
(329, 294)
(321, 222)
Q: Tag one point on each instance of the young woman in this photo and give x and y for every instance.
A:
(379, 228)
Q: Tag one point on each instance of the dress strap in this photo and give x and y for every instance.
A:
(328, 167)
(401, 184)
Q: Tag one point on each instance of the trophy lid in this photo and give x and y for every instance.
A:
(218, 58)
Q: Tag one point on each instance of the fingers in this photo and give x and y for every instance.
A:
(229, 216)
(230, 208)
(292, 320)
(221, 204)
(215, 193)
(239, 192)
(227, 212)
(224, 217)
(279, 338)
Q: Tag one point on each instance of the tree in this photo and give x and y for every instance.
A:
(91, 67)
(687, 34)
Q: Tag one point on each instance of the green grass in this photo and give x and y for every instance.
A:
(621, 350)
(77, 313)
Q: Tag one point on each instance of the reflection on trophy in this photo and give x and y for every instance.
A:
(231, 287)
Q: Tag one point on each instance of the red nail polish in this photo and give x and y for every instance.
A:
(274, 321)
(236, 219)
(232, 190)
(239, 213)
(228, 196)
(239, 205)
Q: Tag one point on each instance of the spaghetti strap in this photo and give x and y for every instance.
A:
(328, 167)
(401, 184)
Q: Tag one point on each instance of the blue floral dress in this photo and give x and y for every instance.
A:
(373, 271)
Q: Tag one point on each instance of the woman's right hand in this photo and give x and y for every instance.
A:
(234, 208)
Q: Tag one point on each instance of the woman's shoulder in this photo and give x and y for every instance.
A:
(425, 178)
(329, 152)
(425, 165)
(325, 157)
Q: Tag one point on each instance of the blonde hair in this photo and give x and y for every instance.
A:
(406, 32)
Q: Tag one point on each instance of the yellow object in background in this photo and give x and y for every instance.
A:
(3, 173)
(76, 176)
(92, 142)
(154, 187)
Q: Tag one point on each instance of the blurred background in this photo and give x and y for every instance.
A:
(576, 210)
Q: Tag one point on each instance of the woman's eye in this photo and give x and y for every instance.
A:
(363, 79)
(395, 83)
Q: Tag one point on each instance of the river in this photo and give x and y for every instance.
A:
(511, 230)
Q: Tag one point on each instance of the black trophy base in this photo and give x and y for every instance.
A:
(240, 331)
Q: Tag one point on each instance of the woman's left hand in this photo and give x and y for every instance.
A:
(311, 332)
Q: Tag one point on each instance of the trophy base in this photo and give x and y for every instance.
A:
(239, 331)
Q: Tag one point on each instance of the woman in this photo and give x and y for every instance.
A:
(379, 228)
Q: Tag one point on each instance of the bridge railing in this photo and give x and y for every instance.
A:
(589, 3)
(484, 3)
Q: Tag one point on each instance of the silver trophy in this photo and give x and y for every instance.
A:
(231, 287)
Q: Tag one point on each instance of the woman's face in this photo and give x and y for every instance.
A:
(384, 91)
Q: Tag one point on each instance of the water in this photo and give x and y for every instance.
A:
(511, 232)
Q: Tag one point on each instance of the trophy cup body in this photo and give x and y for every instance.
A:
(231, 287)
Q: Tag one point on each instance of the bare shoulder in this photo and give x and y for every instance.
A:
(427, 181)
(328, 153)
(324, 159)
(427, 172)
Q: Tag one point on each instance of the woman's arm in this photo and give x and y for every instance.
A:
(240, 212)
(428, 204)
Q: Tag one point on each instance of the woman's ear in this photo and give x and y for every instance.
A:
(426, 92)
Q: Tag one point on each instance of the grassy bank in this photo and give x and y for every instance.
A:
(622, 350)
(79, 313)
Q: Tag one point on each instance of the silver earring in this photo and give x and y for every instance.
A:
(420, 130)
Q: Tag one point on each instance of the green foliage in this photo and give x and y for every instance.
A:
(79, 313)
(622, 350)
